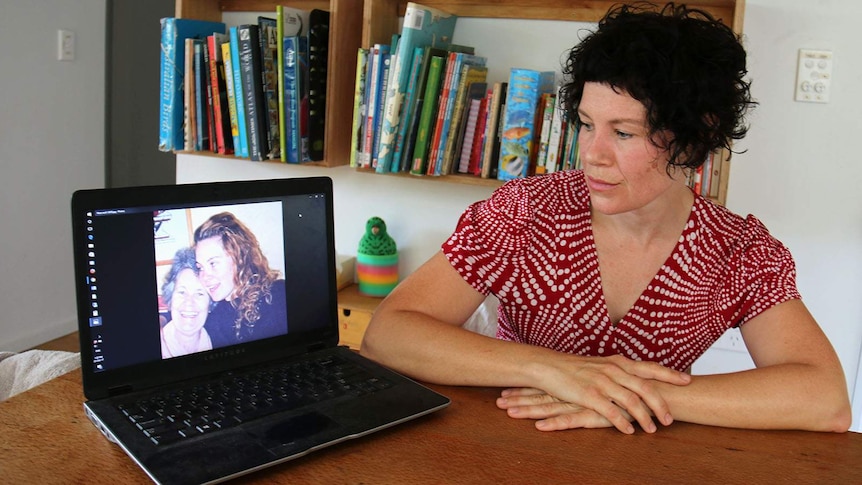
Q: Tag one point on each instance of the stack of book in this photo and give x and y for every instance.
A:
(254, 90)
(424, 105)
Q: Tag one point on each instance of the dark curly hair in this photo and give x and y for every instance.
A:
(686, 67)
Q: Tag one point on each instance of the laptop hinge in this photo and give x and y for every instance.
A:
(116, 391)
(316, 346)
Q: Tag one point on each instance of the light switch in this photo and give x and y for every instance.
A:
(814, 76)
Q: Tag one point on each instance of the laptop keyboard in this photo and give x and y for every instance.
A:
(238, 398)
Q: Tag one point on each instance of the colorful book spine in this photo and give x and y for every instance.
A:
(252, 83)
(422, 26)
(375, 76)
(552, 161)
(491, 150)
(240, 149)
(453, 125)
(447, 106)
(406, 110)
(189, 115)
(358, 105)
(429, 110)
(202, 138)
(546, 107)
(411, 121)
(378, 117)
(174, 31)
(221, 125)
(474, 164)
(231, 94)
(289, 23)
(292, 78)
(470, 127)
(519, 127)
(269, 40)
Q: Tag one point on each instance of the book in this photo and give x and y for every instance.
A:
(231, 94)
(189, 114)
(410, 117)
(464, 92)
(252, 87)
(446, 106)
(240, 149)
(172, 58)
(269, 40)
(410, 97)
(303, 92)
(491, 150)
(429, 110)
(202, 139)
(375, 74)
(474, 163)
(422, 26)
(208, 103)
(293, 79)
(546, 107)
(386, 59)
(289, 22)
(555, 138)
(358, 104)
(519, 126)
(470, 125)
(318, 58)
(221, 119)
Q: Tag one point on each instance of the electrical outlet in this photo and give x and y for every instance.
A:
(731, 340)
(813, 76)
(65, 45)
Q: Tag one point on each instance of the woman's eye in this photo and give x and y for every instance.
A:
(586, 126)
(623, 135)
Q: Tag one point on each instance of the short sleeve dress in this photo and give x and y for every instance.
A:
(531, 245)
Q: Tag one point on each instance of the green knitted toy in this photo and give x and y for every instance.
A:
(377, 241)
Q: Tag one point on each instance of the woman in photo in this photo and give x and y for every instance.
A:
(249, 300)
(189, 304)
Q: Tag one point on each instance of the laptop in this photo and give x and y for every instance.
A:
(193, 396)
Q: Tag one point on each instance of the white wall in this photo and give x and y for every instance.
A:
(800, 174)
(51, 143)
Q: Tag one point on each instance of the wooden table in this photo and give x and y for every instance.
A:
(47, 439)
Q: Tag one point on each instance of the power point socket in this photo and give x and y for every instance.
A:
(65, 45)
(814, 76)
(731, 340)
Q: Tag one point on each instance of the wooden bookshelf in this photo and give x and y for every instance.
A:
(381, 17)
(345, 30)
(355, 23)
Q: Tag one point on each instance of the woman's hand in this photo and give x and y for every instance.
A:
(551, 413)
(617, 389)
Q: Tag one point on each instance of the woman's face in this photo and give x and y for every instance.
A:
(624, 169)
(189, 303)
(217, 268)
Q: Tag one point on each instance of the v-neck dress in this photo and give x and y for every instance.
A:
(531, 245)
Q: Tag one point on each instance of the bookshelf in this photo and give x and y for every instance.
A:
(355, 23)
(381, 17)
(345, 30)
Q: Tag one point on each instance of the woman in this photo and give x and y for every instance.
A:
(613, 279)
(248, 297)
(189, 303)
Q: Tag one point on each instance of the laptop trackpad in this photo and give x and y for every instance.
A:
(294, 430)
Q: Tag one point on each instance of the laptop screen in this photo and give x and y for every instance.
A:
(172, 273)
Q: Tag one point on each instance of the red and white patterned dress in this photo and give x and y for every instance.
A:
(531, 245)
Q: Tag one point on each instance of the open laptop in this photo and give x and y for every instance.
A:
(138, 380)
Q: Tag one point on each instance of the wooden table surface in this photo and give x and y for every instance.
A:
(47, 439)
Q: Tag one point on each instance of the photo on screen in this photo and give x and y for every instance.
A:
(219, 276)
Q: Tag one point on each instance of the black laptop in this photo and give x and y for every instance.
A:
(194, 385)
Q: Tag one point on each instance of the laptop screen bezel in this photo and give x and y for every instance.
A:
(142, 376)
